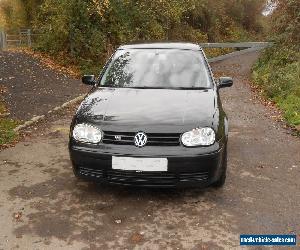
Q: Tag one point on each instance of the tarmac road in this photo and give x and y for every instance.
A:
(42, 206)
(32, 87)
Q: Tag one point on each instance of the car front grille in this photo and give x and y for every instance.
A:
(153, 139)
(89, 172)
(143, 178)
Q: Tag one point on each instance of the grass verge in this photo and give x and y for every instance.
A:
(277, 73)
(7, 134)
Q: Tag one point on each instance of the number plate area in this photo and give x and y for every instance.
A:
(140, 164)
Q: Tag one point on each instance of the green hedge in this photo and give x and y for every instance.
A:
(277, 72)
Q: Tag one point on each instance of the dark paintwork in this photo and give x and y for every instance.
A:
(126, 109)
(153, 111)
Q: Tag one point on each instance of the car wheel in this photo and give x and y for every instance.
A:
(221, 181)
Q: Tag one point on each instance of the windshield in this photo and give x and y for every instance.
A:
(156, 68)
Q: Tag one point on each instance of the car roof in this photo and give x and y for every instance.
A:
(162, 45)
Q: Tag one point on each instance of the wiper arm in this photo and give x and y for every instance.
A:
(132, 87)
(180, 88)
(146, 87)
(191, 88)
(152, 87)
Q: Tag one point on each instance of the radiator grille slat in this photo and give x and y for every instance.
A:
(153, 139)
(143, 178)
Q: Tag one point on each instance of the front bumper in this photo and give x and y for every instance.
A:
(186, 168)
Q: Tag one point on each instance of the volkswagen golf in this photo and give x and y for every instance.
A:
(153, 118)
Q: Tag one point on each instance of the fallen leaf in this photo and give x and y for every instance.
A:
(18, 215)
(137, 238)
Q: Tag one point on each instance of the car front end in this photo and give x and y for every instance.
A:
(153, 118)
(174, 165)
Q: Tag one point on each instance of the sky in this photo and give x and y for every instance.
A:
(269, 8)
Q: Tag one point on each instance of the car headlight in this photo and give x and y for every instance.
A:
(199, 137)
(87, 133)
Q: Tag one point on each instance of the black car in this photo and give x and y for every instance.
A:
(153, 118)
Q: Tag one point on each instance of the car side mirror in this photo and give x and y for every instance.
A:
(89, 79)
(225, 82)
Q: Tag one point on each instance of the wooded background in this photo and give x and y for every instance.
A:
(86, 32)
(89, 30)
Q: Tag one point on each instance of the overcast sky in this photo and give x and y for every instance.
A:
(269, 8)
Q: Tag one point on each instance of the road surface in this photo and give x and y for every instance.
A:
(42, 206)
(33, 88)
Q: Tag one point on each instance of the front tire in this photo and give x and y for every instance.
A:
(221, 181)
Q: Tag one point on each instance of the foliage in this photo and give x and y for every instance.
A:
(15, 14)
(286, 20)
(278, 69)
(7, 134)
(85, 32)
(12, 14)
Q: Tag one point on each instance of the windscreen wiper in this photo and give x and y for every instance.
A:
(152, 87)
(146, 87)
(191, 88)
(183, 88)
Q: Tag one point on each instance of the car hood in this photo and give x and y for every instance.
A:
(136, 109)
